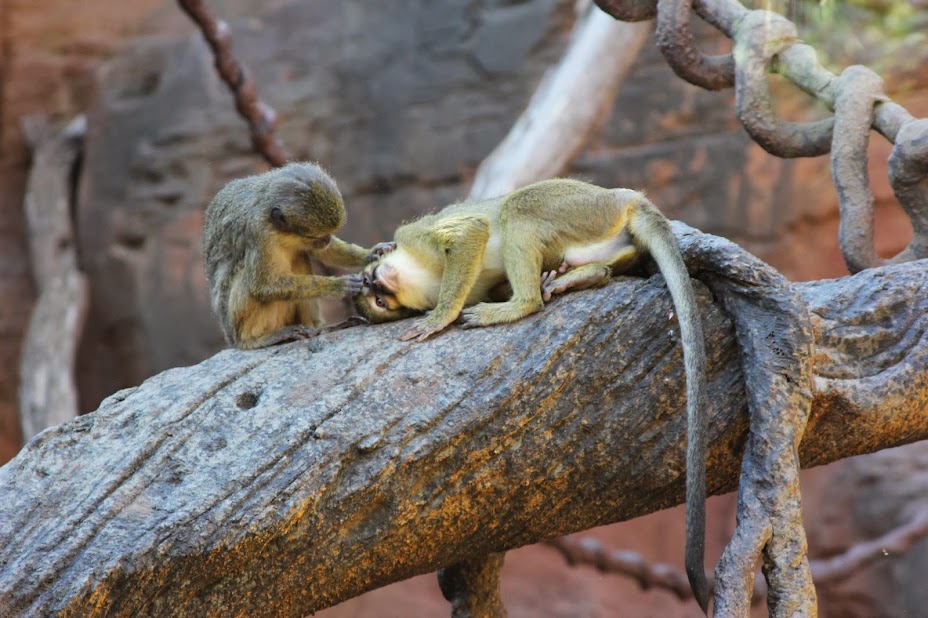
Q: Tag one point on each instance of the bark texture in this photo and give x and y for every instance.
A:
(282, 481)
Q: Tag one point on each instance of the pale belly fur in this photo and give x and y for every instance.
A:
(602, 251)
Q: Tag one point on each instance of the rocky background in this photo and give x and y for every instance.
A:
(401, 101)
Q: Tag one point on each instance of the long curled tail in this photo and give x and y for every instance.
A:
(651, 232)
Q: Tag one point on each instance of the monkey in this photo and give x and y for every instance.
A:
(452, 263)
(259, 235)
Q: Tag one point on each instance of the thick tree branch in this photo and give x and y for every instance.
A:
(281, 481)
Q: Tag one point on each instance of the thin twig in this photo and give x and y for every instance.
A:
(591, 552)
(261, 117)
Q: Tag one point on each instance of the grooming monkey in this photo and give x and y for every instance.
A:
(576, 236)
(259, 235)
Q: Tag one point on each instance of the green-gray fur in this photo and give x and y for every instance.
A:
(535, 227)
(246, 247)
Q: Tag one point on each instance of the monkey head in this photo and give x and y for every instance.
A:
(301, 199)
(377, 301)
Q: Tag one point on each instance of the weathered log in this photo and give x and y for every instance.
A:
(282, 481)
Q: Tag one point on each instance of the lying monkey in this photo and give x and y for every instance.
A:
(454, 262)
(259, 236)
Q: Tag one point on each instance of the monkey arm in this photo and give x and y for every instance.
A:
(341, 253)
(302, 287)
(460, 242)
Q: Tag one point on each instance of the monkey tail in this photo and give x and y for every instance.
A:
(651, 230)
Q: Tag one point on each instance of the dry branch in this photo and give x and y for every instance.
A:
(47, 391)
(261, 117)
(281, 481)
(591, 552)
(572, 101)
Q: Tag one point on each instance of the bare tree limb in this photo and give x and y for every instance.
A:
(591, 552)
(281, 481)
(261, 117)
(894, 542)
(47, 391)
(472, 587)
(573, 100)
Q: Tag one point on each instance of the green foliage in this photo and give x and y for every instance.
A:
(889, 36)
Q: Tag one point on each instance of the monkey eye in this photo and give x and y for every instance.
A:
(278, 218)
(380, 302)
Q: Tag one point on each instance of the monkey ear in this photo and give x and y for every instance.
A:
(278, 219)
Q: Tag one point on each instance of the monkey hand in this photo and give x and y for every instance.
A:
(548, 288)
(351, 284)
(379, 250)
(423, 328)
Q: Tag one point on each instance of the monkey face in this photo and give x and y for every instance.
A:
(379, 307)
(377, 302)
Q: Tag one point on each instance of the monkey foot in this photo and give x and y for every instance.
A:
(587, 276)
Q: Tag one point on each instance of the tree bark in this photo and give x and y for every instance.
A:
(282, 481)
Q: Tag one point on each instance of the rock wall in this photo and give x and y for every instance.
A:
(49, 54)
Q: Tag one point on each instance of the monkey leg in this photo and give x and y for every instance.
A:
(522, 268)
(296, 332)
(582, 278)
(284, 335)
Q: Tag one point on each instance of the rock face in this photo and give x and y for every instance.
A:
(50, 53)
